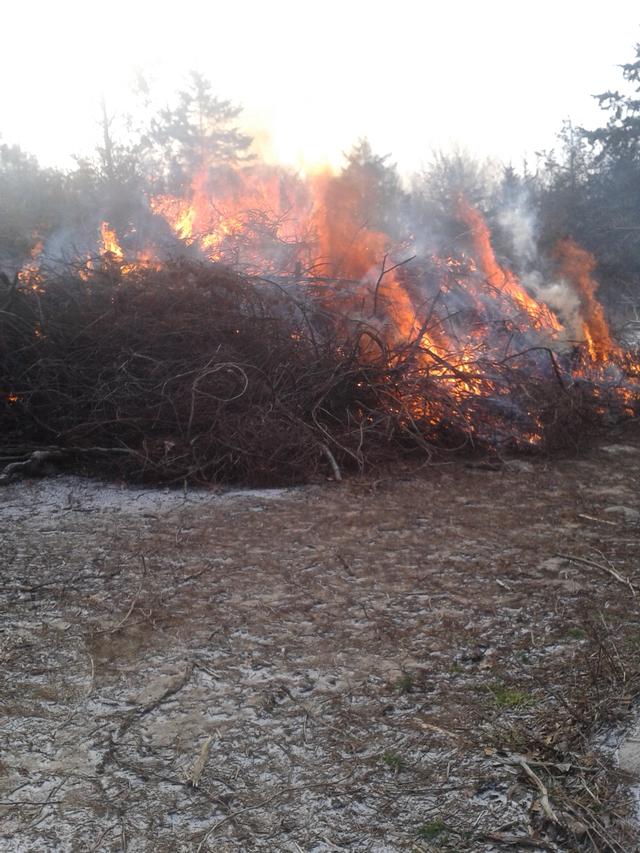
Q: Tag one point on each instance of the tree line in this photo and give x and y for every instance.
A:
(588, 187)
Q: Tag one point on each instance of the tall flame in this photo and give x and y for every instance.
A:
(503, 279)
(577, 266)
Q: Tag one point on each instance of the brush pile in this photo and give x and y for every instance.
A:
(191, 372)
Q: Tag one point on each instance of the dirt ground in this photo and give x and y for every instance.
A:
(441, 660)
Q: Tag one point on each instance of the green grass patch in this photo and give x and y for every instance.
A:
(393, 760)
(431, 830)
(510, 698)
(404, 684)
(576, 634)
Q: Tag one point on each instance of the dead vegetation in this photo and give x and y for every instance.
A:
(193, 373)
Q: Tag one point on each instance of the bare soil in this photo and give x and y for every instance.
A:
(415, 662)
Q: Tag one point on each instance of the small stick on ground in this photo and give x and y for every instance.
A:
(134, 601)
(598, 520)
(608, 569)
(194, 774)
(544, 794)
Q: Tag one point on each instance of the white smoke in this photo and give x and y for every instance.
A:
(560, 297)
(518, 221)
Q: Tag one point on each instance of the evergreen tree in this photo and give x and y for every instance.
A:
(619, 139)
(372, 185)
(200, 132)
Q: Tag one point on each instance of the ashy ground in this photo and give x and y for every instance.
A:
(441, 660)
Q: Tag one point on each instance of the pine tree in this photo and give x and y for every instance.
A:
(620, 138)
(200, 132)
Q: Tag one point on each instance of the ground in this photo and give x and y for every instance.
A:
(440, 658)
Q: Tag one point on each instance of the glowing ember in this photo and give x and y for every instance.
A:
(29, 275)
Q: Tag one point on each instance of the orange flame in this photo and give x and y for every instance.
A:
(540, 316)
(30, 275)
(577, 267)
(110, 244)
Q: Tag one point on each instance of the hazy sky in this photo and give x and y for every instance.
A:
(496, 77)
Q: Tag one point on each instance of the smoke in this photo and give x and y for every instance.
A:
(518, 221)
(560, 297)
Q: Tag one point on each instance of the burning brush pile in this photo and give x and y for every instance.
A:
(258, 331)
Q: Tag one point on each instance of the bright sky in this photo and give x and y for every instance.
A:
(496, 77)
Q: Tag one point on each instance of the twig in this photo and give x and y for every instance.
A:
(516, 840)
(134, 601)
(609, 570)
(103, 835)
(384, 271)
(266, 802)
(193, 776)
(332, 461)
(544, 794)
(598, 520)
